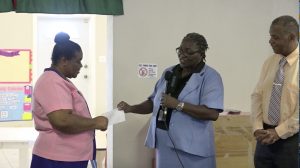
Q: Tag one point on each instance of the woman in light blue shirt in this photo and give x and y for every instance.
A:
(185, 101)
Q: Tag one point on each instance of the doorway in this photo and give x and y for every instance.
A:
(94, 35)
(79, 30)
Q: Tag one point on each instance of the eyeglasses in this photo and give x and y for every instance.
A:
(180, 51)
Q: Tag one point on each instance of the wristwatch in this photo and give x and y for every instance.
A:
(180, 106)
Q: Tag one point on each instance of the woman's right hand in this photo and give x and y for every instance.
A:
(124, 106)
(101, 123)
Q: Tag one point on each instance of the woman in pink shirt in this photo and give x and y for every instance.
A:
(61, 115)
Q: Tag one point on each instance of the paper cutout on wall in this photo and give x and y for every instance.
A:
(15, 66)
(15, 103)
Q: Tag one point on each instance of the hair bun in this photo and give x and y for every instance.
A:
(61, 37)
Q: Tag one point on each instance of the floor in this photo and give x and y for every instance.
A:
(9, 158)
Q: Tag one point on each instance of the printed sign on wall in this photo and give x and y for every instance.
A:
(15, 66)
(15, 103)
(147, 70)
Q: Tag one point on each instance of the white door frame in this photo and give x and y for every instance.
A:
(109, 88)
(92, 51)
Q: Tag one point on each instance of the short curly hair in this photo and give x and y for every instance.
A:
(199, 40)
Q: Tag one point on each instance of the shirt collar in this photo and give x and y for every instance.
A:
(293, 57)
(57, 72)
(198, 68)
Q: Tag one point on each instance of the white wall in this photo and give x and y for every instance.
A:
(149, 32)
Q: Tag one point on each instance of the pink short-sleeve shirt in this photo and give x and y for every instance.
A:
(51, 93)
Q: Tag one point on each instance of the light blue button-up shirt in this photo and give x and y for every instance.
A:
(192, 135)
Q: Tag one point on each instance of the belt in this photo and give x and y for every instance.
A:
(267, 126)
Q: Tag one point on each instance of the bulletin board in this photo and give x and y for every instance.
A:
(15, 85)
(15, 66)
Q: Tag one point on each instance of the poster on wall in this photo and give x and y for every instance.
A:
(15, 103)
(15, 66)
(147, 70)
(15, 84)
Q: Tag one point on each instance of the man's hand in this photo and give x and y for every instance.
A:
(260, 134)
(271, 137)
(266, 137)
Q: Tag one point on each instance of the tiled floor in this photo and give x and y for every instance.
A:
(9, 158)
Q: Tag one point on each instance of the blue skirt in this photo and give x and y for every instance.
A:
(166, 156)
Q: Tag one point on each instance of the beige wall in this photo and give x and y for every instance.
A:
(149, 32)
(101, 64)
(102, 104)
(16, 32)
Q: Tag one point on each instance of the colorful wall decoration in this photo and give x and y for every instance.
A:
(15, 103)
(15, 85)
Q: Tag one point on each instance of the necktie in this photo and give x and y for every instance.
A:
(274, 106)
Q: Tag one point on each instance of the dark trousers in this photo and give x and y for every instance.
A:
(40, 162)
(282, 154)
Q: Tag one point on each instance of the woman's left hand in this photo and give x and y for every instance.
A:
(168, 101)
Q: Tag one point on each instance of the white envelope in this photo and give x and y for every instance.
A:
(115, 116)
